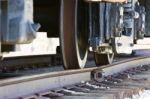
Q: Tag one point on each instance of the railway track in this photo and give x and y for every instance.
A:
(119, 80)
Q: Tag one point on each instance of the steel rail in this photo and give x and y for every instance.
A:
(123, 65)
(17, 87)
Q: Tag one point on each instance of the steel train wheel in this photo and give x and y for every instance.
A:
(74, 33)
(103, 59)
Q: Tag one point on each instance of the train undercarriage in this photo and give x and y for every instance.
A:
(104, 28)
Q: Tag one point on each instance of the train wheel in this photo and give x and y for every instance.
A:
(74, 33)
(103, 59)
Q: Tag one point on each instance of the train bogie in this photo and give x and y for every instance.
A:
(104, 28)
(113, 28)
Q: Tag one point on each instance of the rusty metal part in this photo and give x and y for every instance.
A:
(103, 59)
(74, 33)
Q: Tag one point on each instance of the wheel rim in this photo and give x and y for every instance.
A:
(110, 58)
(74, 34)
(103, 59)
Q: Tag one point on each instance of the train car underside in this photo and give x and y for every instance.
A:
(104, 28)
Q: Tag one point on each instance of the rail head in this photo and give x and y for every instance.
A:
(119, 67)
